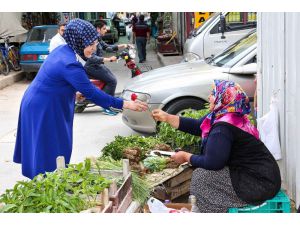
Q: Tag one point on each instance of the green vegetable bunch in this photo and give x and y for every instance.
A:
(115, 148)
(140, 188)
(179, 139)
(67, 190)
(155, 163)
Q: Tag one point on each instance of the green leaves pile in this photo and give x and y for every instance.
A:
(115, 149)
(179, 139)
(68, 190)
(155, 163)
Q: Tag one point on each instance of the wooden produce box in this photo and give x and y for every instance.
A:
(174, 184)
(121, 197)
(105, 205)
(114, 199)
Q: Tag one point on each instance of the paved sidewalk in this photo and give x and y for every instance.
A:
(11, 78)
(160, 58)
(169, 60)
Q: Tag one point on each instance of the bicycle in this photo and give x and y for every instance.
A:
(4, 67)
(9, 57)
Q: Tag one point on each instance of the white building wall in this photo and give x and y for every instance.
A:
(278, 64)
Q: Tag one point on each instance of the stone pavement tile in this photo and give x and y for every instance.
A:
(12, 77)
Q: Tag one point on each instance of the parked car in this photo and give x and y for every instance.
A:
(126, 21)
(218, 32)
(122, 28)
(187, 85)
(112, 33)
(36, 48)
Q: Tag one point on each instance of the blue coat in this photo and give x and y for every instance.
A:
(47, 112)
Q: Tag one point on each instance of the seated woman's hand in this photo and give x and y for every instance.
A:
(160, 115)
(181, 157)
(135, 105)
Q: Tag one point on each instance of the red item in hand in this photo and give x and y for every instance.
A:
(133, 96)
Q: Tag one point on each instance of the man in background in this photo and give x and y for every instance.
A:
(58, 39)
(141, 35)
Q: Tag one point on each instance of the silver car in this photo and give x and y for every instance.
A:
(187, 85)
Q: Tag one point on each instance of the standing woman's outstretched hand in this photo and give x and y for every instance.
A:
(135, 105)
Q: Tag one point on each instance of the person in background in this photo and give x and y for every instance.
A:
(95, 67)
(58, 39)
(45, 126)
(116, 20)
(234, 168)
(141, 35)
(133, 20)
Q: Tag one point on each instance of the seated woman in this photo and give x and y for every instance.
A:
(235, 168)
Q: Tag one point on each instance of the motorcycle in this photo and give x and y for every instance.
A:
(128, 55)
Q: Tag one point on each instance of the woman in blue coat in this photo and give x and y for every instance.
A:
(47, 108)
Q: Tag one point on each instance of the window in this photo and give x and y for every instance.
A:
(42, 34)
(237, 21)
(234, 53)
(252, 60)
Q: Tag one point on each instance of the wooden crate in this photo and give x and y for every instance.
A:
(113, 200)
(175, 186)
(117, 200)
(122, 197)
(103, 204)
(97, 209)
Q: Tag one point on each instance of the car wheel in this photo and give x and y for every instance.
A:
(30, 76)
(117, 38)
(178, 107)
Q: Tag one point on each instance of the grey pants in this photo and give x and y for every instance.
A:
(102, 73)
(214, 191)
(141, 43)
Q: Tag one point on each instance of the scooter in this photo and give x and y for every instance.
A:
(128, 55)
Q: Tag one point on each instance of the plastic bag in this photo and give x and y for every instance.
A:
(156, 206)
(268, 127)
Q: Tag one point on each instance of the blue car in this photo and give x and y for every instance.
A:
(36, 48)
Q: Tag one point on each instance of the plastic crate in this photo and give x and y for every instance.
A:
(279, 204)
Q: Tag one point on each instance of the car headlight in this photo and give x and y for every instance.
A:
(189, 57)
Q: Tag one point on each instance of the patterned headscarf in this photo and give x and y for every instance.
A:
(79, 34)
(231, 106)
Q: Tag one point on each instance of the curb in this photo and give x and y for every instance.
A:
(160, 59)
(11, 79)
(168, 60)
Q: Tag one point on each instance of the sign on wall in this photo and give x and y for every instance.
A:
(200, 18)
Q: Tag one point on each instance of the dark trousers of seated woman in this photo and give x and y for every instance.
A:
(104, 74)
